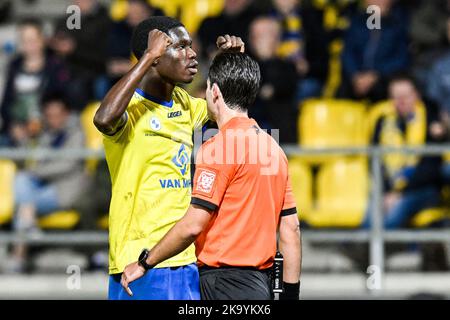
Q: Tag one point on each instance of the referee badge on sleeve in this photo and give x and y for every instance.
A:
(205, 182)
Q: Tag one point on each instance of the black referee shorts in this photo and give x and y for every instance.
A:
(234, 283)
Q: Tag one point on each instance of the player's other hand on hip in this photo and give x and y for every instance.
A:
(158, 42)
(132, 272)
(229, 43)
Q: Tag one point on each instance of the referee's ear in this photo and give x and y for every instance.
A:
(216, 93)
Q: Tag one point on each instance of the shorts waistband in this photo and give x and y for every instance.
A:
(209, 268)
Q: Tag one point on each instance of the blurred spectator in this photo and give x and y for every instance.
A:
(371, 55)
(31, 74)
(304, 42)
(118, 47)
(53, 184)
(428, 29)
(439, 78)
(439, 90)
(428, 34)
(5, 10)
(234, 20)
(84, 49)
(275, 107)
(412, 183)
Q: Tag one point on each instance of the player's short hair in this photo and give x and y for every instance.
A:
(238, 77)
(139, 39)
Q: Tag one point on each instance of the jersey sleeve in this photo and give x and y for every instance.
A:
(123, 134)
(289, 205)
(210, 182)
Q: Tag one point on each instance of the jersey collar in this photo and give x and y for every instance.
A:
(147, 96)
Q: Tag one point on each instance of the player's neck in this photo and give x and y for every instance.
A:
(222, 119)
(157, 88)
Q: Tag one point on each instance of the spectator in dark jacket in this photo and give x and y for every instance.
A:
(372, 55)
(84, 49)
(438, 89)
(412, 183)
(428, 34)
(275, 106)
(235, 19)
(31, 74)
(119, 60)
(304, 42)
(438, 79)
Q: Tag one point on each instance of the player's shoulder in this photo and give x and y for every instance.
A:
(136, 104)
(180, 94)
(183, 97)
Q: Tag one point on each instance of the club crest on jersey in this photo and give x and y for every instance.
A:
(181, 159)
(205, 181)
(155, 124)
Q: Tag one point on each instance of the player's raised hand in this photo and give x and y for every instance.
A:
(158, 42)
(229, 43)
(132, 272)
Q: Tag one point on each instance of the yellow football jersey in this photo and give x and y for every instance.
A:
(149, 164)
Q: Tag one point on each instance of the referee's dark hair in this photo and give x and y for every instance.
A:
(238, 77)
(139, 40)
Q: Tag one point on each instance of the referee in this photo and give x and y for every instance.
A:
(241, 197)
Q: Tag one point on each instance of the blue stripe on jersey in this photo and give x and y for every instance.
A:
(147, 96)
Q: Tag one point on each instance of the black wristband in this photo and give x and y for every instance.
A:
(291, 291)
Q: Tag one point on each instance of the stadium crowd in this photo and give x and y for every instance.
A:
(307, 49)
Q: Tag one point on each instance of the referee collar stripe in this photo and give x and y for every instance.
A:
(147, 96)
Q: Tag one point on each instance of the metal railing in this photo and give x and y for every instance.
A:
(376, 236)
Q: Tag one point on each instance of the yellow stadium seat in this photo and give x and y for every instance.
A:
(57, 220)
(302, 185)
(427, 217)
(118, 10)
(7, 173)
(328, 123)
(94, 139)
(60, 220)
(342, 194)
(170, 7)
(103, 222)
(195, 11)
